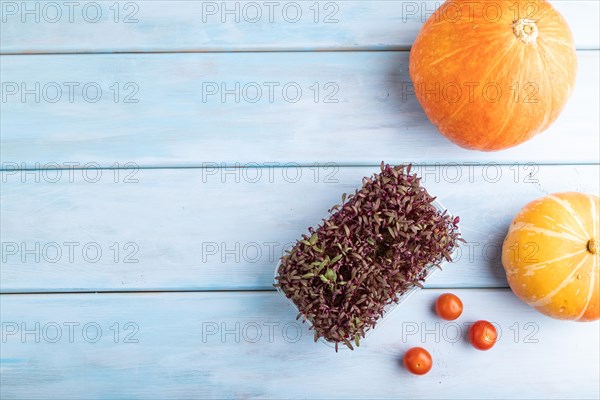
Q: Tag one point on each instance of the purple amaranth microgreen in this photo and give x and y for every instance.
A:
(378, 243)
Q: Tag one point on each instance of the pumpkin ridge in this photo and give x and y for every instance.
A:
(547, 56)
(458, 51)
(550, 107)
(505, 123)
(555, 23)
(523, 226)
(595, 228)
(544, 264)
(565, 204)
(551, 58)
(564, 43)
(567, 228)
(590, 291)
(547, 299)
(491, 70)
(508, 117)
(549, 11)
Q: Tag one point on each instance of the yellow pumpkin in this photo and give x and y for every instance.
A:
(551, 256)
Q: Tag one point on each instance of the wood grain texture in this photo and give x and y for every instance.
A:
(222, 229)
(151, 26)
(219, 229)
(183, 350)
(177, 123)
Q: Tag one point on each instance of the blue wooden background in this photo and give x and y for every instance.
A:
(143, 210)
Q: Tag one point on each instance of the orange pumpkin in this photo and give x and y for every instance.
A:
(493, 74)
(551, 256)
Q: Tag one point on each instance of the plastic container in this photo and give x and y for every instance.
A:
(390, 307)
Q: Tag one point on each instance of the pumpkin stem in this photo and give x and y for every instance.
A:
(592, 246)
(526, 30)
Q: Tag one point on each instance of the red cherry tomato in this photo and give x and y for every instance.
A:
(483, 335)
(418, 361)
(448, 306)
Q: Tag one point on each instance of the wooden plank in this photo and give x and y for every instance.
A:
(156, 26)
(225, 229)
(184, 351)
(360, 114)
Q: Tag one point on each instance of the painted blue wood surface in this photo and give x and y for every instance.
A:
(361, 114)
(170, 212)
(219, 345)
(194, 25)
(224, 229)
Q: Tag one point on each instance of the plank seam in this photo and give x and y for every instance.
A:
(241, 51)
(225, 165)
(213, 291)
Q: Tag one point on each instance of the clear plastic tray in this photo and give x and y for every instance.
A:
(390, 307)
